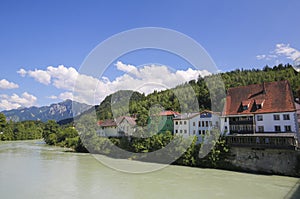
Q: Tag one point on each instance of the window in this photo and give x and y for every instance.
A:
(199, 132)
(194, 123)
(258, 106)
(286, 117)
(277, 129)
(210, 123)
(180, 122)
(184, 122)
(176, 123)
(199, 124)
(194, 132)
(287, 128)
(276, 117)
(259, 118)
(203, 123)
(176, 131)
(206, 123)
(245, 108)
(180, 131)
(260, 128)
(185, 131)
(225, 119)
(203, 132)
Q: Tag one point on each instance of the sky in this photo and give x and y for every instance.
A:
(45, 44)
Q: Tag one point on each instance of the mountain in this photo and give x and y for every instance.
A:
(57, 112)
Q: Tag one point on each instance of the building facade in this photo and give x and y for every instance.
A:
(261, 112)
(162, 122)
(195, 124)
(122, 126)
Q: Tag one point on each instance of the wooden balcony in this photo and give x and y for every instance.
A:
(264, 140)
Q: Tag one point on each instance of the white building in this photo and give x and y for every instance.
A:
(122, 126)
(195, 124)
(261, 108)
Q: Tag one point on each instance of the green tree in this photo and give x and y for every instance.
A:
(50, 131)
(2, 121)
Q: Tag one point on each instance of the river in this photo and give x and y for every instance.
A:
(31, 169)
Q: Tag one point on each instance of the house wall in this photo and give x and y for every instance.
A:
(109, 131)
(181, 127)
(127, 128)
(224, 125)
(196, 126)
(163, 123)
(269, 123)
(194, 129)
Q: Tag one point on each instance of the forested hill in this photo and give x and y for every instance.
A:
(139, 103)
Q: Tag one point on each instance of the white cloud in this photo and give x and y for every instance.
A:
(4, 84)
(93, 90)
(66, 95)
(281, 51)
(52, 97)
(259, 57)
(15, 101)
(22, 72)
(39, 75)
(191, 74)
(126, 68)
(286, 50)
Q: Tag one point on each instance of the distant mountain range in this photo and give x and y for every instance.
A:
(57, 112)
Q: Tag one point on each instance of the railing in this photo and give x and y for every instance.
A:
(262, 142)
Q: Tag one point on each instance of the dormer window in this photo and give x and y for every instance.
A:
(245, 105)
(258, 106)
(259, 103)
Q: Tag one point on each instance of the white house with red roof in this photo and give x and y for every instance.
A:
(122, 126)
(261, 108)
(263, 114)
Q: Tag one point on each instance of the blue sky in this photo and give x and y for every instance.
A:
(60, 34)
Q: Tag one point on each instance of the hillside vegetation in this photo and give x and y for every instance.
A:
(181, 98)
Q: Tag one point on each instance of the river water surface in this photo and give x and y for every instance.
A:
(31, 169)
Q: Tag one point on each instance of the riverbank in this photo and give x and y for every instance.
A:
(248, 160)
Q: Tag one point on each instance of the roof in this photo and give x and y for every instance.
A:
(107, 123)
(297, 106)
(117, 121)
(130, 120)
(167, 113)
(272, 97)
(186, 116)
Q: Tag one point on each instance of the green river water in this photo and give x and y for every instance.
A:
(31, 169)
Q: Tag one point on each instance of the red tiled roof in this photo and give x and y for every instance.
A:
(112, 122)
(273, 96)
(108, 123)
(166, 113)
(131, 120)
